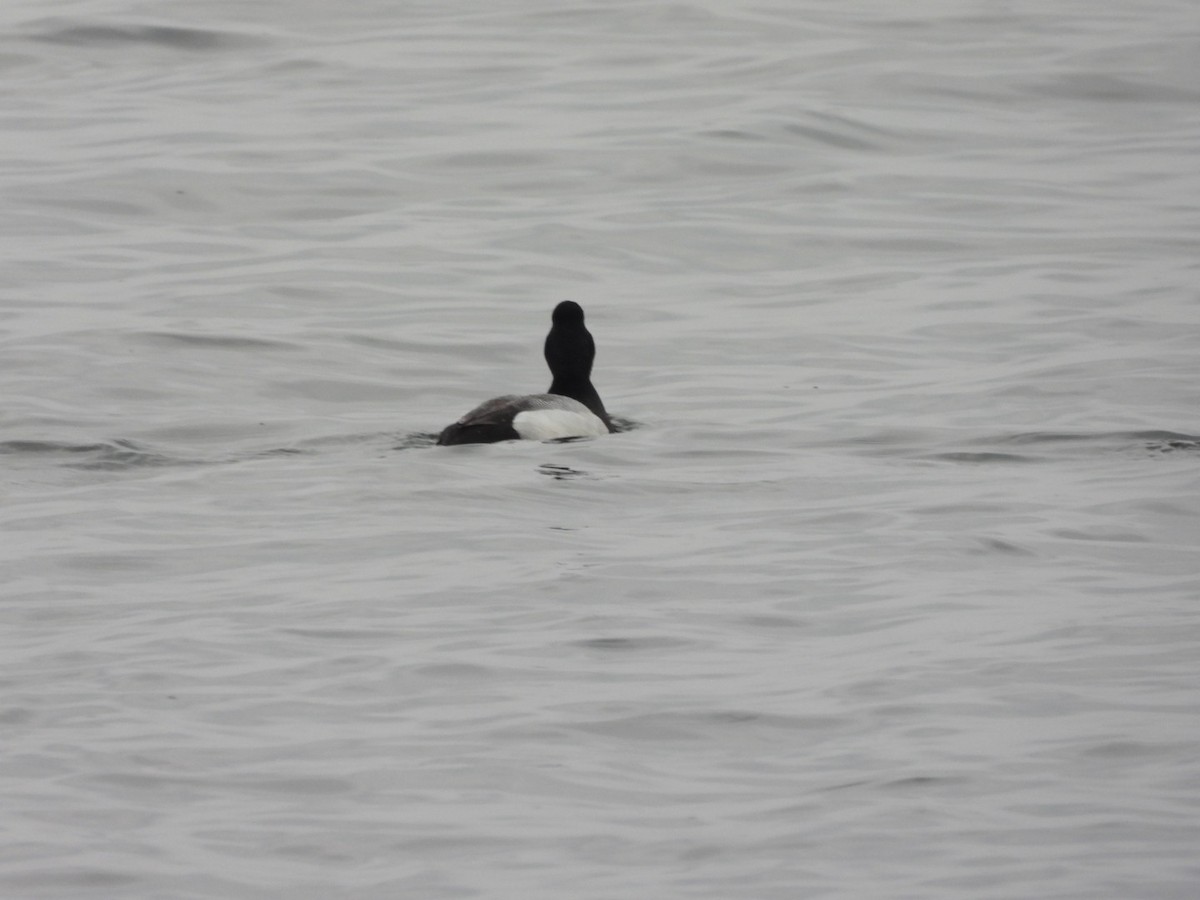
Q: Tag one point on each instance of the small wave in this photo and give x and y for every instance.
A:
(1051, 437)
(118, 454)
(1107, 88)
(634, 644)
(1173, 442)
(560, 473)
(1030, 446)
(837, 134)
(168, 36)
(840, 132)
(222, 341)
(416, 439)
(1160, 441)
(622, 425)
(980, 458)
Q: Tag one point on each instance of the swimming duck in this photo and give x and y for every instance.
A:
(571, 408)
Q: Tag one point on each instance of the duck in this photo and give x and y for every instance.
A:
(571, 408)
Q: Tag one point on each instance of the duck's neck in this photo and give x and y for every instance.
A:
(580, 389)
(569, 352)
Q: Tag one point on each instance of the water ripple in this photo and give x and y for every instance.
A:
(121, 36)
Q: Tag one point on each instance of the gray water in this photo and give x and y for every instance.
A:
(888, 589)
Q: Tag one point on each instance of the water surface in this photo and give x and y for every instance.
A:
(887, 590)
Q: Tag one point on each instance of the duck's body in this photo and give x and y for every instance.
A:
(571, 408)
(532, 417)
